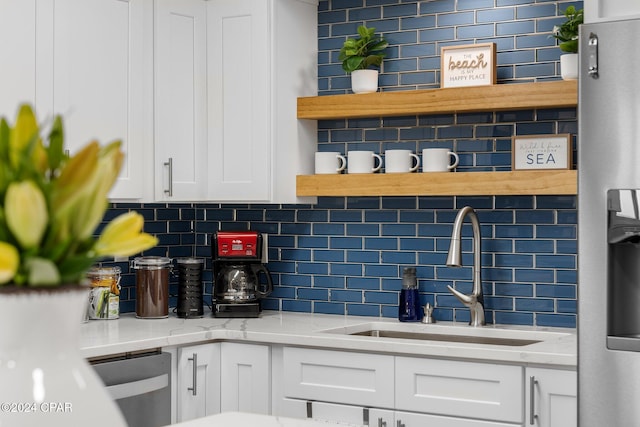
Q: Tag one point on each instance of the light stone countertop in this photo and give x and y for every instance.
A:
(556, 346)
(239, 419)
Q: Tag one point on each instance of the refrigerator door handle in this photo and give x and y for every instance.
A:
(593, 55)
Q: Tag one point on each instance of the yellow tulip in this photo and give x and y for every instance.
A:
(89, 209)
(123, 236)
(9, 261)
(76, 177)
(22, 133)
(26, 213)
(42, 272)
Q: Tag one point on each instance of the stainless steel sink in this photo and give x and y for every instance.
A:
(514, 342)
(443, 333)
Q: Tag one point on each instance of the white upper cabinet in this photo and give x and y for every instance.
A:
(18, 53)
(608, 10)
(203, 94)
(96, 69)
(239, 75)
(261, 56)
(180, 134)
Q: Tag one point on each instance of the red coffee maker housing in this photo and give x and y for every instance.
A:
(240, 278)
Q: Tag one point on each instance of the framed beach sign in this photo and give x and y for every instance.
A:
(468, 65)
(541, 152)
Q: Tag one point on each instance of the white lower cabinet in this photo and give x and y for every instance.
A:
(551, 396)
(397, 391)
(376, 417)
(366, 389)
(198, 378)
(461, 389)
(245, 378)
(221, 377)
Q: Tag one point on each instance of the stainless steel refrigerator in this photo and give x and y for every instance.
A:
(609, 225)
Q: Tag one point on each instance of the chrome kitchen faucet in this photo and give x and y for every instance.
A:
(475, 301)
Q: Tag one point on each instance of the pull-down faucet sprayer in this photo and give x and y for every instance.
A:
(475, 301)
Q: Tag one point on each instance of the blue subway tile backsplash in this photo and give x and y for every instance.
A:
(345, 255)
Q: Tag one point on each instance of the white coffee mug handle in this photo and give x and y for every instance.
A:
(377, 168)
(343, 163)
(417, 165)
(455, 156)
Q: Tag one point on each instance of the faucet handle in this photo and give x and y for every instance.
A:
(464, 299)
(428, 314)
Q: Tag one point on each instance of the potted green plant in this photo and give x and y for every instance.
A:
(567, 36)
(361, 57)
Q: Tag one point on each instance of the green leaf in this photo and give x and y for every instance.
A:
(570, 46)
(55, 150)
(353, 63)
(73, 270)
(372, 60)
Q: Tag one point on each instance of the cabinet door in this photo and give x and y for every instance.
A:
(239, 70)
(336, 413)
(198, 381)
(97, 78)
(551, 397)
(411, 419)
(245, 381)
(459, 389)
(339, 376)
(180, 135)
(18, 53)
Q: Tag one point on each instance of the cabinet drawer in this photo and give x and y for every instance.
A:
(461, 389)
(339, 376)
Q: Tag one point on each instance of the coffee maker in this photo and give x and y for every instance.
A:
(238, 264)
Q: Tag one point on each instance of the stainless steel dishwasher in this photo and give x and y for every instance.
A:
(140, 383)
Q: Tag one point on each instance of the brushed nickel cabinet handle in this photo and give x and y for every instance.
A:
(169, 164)
(194, 389)
(532, 400)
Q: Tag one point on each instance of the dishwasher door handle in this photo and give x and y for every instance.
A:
(135, 388)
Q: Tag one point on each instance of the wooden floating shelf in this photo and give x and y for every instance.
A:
(498, 97)
(539, 182)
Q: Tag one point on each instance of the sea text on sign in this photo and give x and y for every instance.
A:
(541, 152)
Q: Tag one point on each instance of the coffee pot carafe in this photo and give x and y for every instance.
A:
(240, 278)
(239, 283)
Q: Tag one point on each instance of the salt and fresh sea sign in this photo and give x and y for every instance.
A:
(541, 152)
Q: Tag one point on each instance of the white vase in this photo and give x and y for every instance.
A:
(364, 81)
(569, 66)
(44, 381)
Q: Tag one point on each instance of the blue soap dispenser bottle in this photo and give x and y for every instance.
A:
(410, 309)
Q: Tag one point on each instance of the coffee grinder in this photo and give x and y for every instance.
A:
(238, 263)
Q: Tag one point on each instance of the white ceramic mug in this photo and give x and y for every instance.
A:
(328, 162)
(400, 161)
(438, 160)
(363, 162)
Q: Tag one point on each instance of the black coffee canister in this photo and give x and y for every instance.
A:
(190, 288)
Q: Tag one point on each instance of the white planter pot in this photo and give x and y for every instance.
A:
(45, 380)
(569, 66)
(364, 81)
